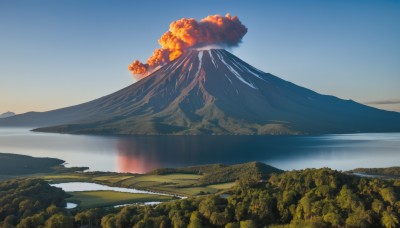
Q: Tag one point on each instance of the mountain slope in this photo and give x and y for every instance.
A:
(7, 114)
(212, 92)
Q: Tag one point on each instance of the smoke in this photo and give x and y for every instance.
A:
(137, 67)
(187, 33)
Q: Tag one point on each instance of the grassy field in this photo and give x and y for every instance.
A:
(177, 183)
(186, 181)
(223, 186)
(110, 198)
(103, 178)
(173, 180)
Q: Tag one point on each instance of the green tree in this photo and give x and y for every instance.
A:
(177, 220)
(377, 206)
(25, 205)
(232, 225)
(140, 224)
(59, 221)
(348, 200)
(218, 219)
(389, 195)
(358, 219)
(240, 211)
(32, 221)
(81, 218)
(10, 221)
(195, 220)
(389, 220)
(52, 209)
(208, 206)
(304, 208)
(248, 224)
(334, 219)
(108, 221)
(91, 216)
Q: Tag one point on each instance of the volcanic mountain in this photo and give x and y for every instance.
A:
(212, 92)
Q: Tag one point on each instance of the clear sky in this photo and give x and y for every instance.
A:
(59, 53)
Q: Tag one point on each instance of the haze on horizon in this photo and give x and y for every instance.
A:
(57, 54)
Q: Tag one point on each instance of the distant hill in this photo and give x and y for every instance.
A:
(7, 114)
(15, 164)
(219, 173)
(393, 172)
(212, 92)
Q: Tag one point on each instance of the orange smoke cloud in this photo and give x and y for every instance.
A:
(137, 67)
(189, 33)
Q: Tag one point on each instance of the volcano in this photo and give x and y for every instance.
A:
(212, 92)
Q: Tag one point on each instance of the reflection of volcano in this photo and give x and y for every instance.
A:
(141, 154)
(132, 159)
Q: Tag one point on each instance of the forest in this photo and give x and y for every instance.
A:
(32, 203)
(305, 198)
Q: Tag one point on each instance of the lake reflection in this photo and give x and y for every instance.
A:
(134, 159)
(139, 154)
(343, 152)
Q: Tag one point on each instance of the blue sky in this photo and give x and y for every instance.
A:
(59, 53)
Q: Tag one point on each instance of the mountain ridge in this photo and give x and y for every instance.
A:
(213, 92)
(7, 114)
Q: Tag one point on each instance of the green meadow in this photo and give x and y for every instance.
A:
(92, 199)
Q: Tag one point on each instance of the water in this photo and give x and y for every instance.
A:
(152, 203)
(139, 154)
(86, 186)
(367, 175)
(71, 205)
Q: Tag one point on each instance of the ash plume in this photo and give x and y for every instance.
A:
(187, 33)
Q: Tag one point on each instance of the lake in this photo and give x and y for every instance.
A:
(139, 154)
